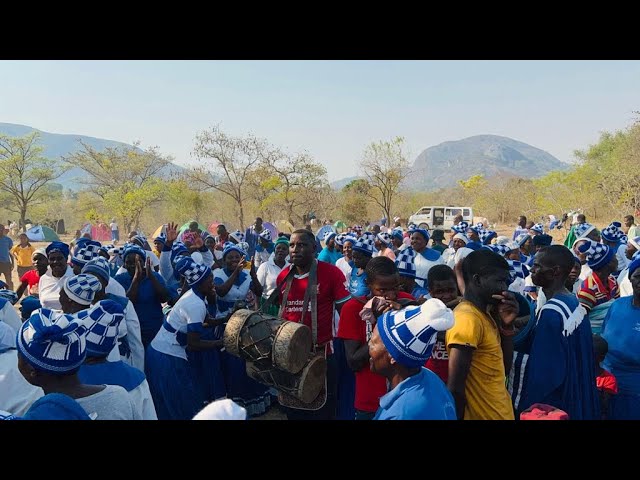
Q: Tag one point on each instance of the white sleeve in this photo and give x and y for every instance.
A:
(141, 396)
(9, 316)
(134, 338)
(166, 270)
(207, 258)
(262, 275)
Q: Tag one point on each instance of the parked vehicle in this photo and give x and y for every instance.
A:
(440, 218)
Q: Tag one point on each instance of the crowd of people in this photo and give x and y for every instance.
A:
(413, 324)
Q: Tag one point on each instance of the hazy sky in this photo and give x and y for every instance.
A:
(332, 109)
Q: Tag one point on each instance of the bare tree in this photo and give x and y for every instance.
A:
(25, 174)
(227, 163)
(385, 165)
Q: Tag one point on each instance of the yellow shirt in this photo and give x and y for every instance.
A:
(23, 255)
(485, 390)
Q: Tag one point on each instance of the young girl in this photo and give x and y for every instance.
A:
(23, 253)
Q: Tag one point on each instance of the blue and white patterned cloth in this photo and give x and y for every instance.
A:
(82, 288)
(101, 321)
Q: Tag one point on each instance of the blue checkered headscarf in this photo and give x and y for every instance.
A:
(409, 334)
(486, 236)
(99, 267)
(132, 248)
(612, 233)
(86, 252)
(598, 255)
(538, 227)
(385, 238)
(231, 247)
(583, 229)
(52, 342)
(101, 321)
(9, 295)
(421, 231)
(462, 228)
(194, 273)
(82, 288)
(365, 245)
(405, 262)
(265, 235)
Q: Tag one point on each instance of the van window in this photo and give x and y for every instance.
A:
(425, 211)
(455, 211)
(465, 212)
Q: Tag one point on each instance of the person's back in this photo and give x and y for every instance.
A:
(111, 403)
(420, 397)
(561, 370)
(125, 376)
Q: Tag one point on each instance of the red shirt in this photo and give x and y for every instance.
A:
(607, 382)
(330, 290)
(32, 277)
(369, 386)
(439, 361)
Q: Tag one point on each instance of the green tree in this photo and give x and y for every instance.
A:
(25, 174)
(127, 179)
(354, 204)
(384, 166)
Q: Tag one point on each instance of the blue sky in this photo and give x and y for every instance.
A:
(332, 109)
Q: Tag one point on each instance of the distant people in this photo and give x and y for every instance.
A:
(30, 280)
(6, 258)
(115, 232)
(437, 241)
(480, 343)
(631, 229)
(252, 236)
(521, 227)
(382, 242)
(345, 264)
(330, 253)
(612, 237)
(268, 272)
(22, 254)
(425, 257)
(363, 251)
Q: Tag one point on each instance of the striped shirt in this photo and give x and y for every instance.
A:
(593, 292)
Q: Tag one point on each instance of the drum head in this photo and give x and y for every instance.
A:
(231, 338)
(291, 346)
(312, 380)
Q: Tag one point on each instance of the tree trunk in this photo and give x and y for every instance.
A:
(23, 216)
(241, 207)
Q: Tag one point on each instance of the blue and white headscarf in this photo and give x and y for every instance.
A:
(385, 238)
(231, 247)
(178, 249)
(397, 233)
(365, 245)
(82, 288)
(462, 228)
(409, 334)
(162, 238)
(517, 270)
(538, 227)
(131, 248)
(522, 239)
(9, 295)
(101, 321)
(406, 263)
(422, 232)
(238, 236)
(194, 273)
(98, 267)
(612, 233)
(583, 229)
(52, 342)
(635, 242)
(107, 248)
(598, 255)
(86, 252)
(486, 236)
(328, 236)
(265, 235)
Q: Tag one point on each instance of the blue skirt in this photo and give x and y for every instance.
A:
(242, 389)
(346, 390)
(172, 386)
(207, 370)
(624, 406)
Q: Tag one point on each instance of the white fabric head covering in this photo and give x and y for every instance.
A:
(225, 409)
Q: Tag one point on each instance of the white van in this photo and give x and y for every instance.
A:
(440, 218)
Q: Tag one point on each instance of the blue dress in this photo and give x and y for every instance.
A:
(329, 256)
(358, 283)
(242, 389)
(147, 305)
(561, 369)
(621, 330)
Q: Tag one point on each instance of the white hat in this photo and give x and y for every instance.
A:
(225, 409)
